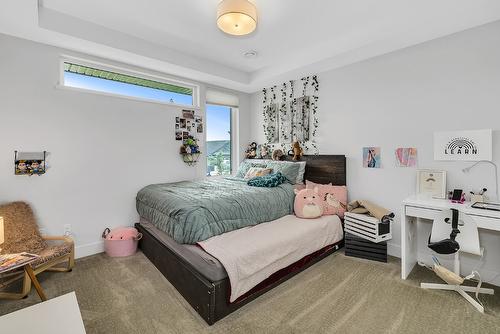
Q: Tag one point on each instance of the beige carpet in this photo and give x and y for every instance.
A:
(338, 295)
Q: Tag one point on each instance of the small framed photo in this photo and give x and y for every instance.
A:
(178, 135)
(177, 119)
(188, 129)
(177, 126)
(431, 183)
(182, 123)
(199, 128)
(185, 135)
(188, 114)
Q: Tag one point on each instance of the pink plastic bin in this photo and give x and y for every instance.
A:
(121, 241)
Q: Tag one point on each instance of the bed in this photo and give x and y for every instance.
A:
(201, 279)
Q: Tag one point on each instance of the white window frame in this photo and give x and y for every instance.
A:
(145, 75)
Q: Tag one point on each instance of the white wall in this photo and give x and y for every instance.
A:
(399, 100)
(103, 149)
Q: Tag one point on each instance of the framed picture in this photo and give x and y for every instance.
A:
(431, 183)
(177, 119)
(29, 163)
(471, 145)
(188, 114)
(406, 157)
(178, 135)
(185, 135)
(371, 157)
(199, 128)
(182, 123)
(177, 126)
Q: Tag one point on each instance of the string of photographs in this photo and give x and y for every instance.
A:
(188, 125)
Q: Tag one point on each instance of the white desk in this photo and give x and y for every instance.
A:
(57, 315)
(427, 208)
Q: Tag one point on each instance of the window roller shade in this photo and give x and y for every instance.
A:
(222, 98)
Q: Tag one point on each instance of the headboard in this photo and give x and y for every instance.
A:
(325, 169)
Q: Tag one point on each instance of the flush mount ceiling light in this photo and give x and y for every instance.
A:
(236, 17)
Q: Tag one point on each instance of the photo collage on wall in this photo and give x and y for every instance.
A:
(188, 125)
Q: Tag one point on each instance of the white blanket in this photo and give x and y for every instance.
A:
(252, 254)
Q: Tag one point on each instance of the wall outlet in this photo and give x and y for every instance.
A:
(67, 229)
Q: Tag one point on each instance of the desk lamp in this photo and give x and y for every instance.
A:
(467, 169)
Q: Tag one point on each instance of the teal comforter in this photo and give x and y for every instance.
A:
(192, 211)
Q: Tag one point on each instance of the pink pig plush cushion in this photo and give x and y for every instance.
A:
(308, 203)
(334, 198)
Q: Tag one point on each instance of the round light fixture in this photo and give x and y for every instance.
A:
(236, 17)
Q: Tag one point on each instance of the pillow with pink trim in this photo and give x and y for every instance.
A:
(334, 198)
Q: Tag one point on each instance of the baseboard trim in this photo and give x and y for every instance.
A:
(393, 249)
(89, 249)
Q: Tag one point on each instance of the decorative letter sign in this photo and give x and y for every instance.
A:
(471, 145)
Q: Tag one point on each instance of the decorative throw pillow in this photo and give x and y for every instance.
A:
(334, 198)
(290, 170)
(308, 203)
(247, 164)
(269, 181)
(257, 171)
(20, 229)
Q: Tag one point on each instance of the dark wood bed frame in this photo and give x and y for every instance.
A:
(211, 299)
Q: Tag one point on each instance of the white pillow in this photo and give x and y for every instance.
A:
(300, 174)
(257, 171)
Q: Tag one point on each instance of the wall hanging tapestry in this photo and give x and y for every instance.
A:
(290, 114)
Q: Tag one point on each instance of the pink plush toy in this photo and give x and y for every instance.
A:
(308, 203)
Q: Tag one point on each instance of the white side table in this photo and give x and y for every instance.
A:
(59, 315)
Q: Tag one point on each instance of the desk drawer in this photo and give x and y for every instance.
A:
(487, 223)
(425, 213)
(428, 213)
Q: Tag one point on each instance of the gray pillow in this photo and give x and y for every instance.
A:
(290, 170)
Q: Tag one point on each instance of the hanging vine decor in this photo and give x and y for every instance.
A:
(288, 117)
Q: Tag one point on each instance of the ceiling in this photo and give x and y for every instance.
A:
(293, 37)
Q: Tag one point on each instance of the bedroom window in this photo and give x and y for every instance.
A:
(218, 140)
(115, 81)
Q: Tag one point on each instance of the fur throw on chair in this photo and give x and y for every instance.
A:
(20, 229)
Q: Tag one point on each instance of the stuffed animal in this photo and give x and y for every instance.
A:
(277, 155)
(264, 152)
(296, 151)
(251, 151)
(308, 203)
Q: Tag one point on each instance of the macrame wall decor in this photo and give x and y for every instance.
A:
(290, 114)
